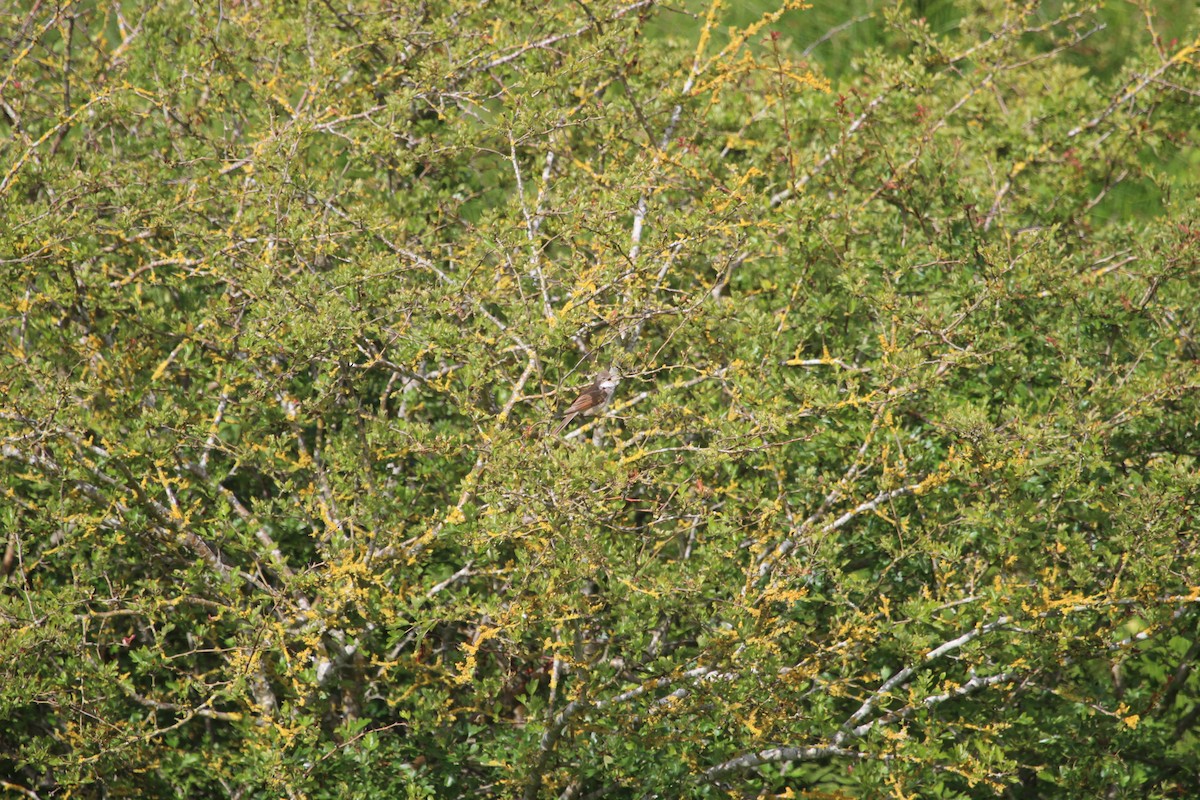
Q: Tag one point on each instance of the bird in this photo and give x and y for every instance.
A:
(593, 399)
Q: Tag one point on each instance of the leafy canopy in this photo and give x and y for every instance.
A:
(897, 495)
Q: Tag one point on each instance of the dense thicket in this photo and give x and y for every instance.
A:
(897, 496)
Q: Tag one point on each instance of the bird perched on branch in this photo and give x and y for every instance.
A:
(593, 399)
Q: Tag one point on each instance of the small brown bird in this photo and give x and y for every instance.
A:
(593, 399)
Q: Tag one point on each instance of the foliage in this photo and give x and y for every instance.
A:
(897, 495)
